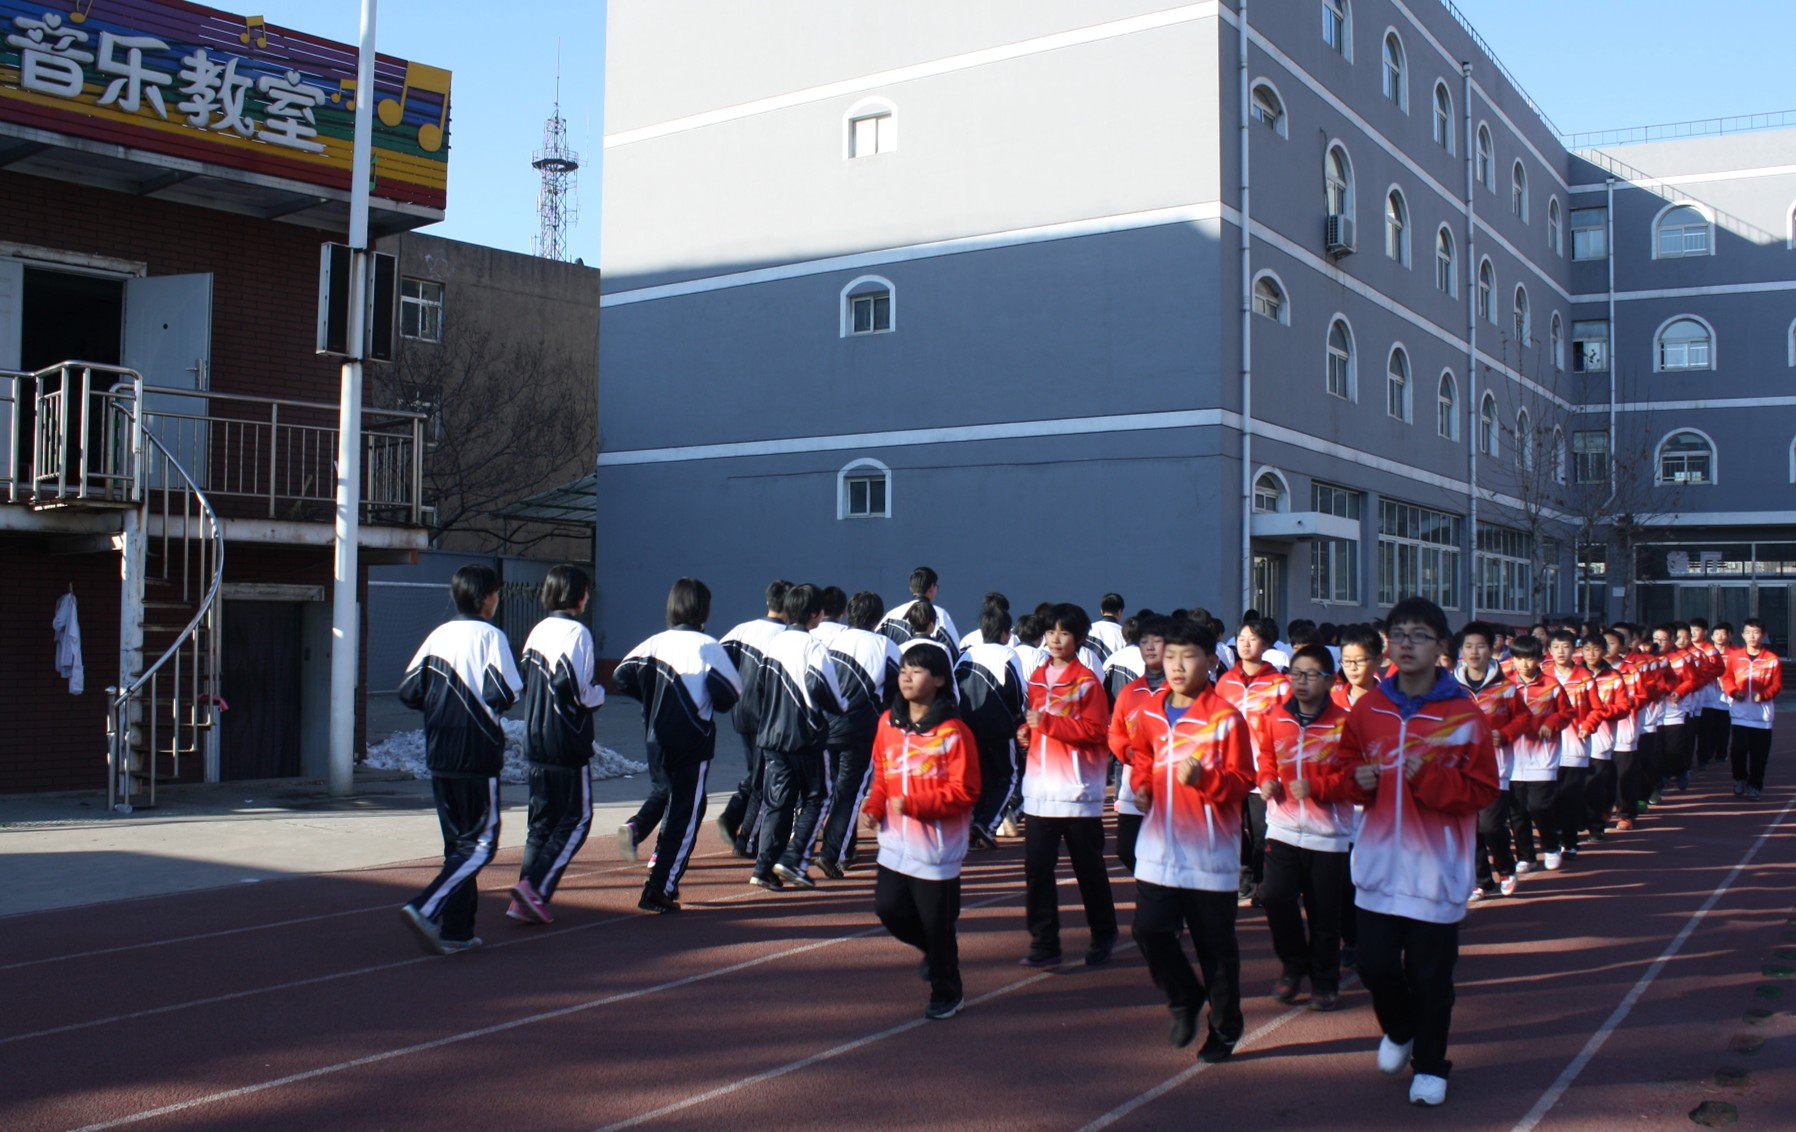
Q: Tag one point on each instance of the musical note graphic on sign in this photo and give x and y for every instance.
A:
(344, 86)
(257, 25)
(79, 15)
(428, 80)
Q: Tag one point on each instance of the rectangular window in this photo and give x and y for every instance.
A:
(866, 496)
(1690, 240)
(1334, 562)
(421, 309)
(872, 313)
(1590, 456)
(1590, 233)
(1505, 570)
(1418, 554)
(872, 134)
(1334, 25)
(1590, 346)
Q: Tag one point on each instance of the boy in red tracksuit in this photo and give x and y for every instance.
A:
(1574, 740)
(1192, 765)
(1130, 699)
(1609, 695)
(1481, 675)
(1064, 731)
(1534, 773)
(1309, 830)
(1254, 687)
(1753, 679)
(1423, 766)
(925, 781)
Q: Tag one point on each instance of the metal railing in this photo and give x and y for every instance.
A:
(1670, 193)
(1491, 54)
(1675, 131)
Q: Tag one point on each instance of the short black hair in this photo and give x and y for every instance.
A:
(1199, 614)
(921, 579)
(1070, 617)
(922, 618)
(994, 624)
(564, 587)
(802, 603)
(1479, 629)
(776, 595)
(1184, 631)
(1699, 623)
(1753, 623)
(993, 597)
(688, 603)
(1262, 627)
(1567, 636)
(932, 658)
(865, 609)
(834, 602)
(1154, 625)
(471, 586)
(1131, 628)
(1110, 603)
(1363, 637)
(1420, 611)
(1300, 634)
(1029, 630)
(1616, 635)
(1527, 647)
(1318, 654)
(1725, 625)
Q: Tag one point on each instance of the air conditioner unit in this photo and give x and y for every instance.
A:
(1337, 235)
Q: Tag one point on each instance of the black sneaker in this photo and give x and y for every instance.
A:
(658, 902)
(1216, 1048)
(831, 870)
(978, 838)
(1040, 959)
(1099, 951)
(1322, 1001)
(1184, 1028)
(1349, 958)
(1285, 990)
(771, 884)
(923, 970)
(940, 1009)
(792, 877)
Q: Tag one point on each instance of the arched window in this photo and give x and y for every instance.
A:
(864, 491)
(1487, 425)
(1337, 179)
(1555, 227)
(1269, 299)
(1684, 344)
(1394, 87)
(1558, 342)
(872, 128)
(1518, 192)
(1270, 493)
(1558, 454)
(1334, 26)
(1524, 325)
(1686, 457)
(1682, 231)
(1396, 225)
(1396, 401)
(1448, 407)
(1340, 360)
(1524, 441)
(1791, 339)
(1446, 272)
(1269, 109)
(1443, 117)
(1486, 164)
(1487, 291)
(869, 306)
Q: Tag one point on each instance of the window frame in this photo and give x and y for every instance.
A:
(1413, 532)
(1590, 464)
(1518, 190)
(1524, 440)
(885, 134)
(1579, 363)
(1556, 341)
(1280, 126)
(1490, 432)
(1487, 291)
(1522, 312)
(1505, 568)
(1600, 231)
(1349, 360)
(1399, 387)
(866, 287)
(1450, 264)
(1331, 558)
(1443, 118)
(1707, 343)
(1484, 158)
(420, 308)
(1337, 27)
(1684, 231)
(1446, 402)
(1345, 185)
(1396, 241)
(1555, 227)
(1659, 456)
(1394, 70)
(1283, 315)
(864, 469)
(1280, 494)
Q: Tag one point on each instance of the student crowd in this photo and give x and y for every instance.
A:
(1362, 785)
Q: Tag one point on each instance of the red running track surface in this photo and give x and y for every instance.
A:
(1607, 995)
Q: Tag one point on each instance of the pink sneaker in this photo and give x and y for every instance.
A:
(527, 900)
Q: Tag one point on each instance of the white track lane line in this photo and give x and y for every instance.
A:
(498, 1028)
(1564, 1081)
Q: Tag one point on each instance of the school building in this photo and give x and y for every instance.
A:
(1302, 306)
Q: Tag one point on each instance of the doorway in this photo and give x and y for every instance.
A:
(1269, 586)
(261, 659)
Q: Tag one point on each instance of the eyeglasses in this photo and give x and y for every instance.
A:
(1307, 674)
(1410, 638)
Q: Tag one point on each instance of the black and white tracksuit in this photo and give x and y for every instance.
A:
(898, 630)
(463, 679)
(746, 646)
(559, 699)
(993, 695)
(683, 678)
(798, 692)
(866, 665)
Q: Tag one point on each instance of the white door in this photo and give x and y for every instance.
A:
(168, 339)
(12, 329)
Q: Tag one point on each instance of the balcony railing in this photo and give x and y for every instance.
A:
(69, 439)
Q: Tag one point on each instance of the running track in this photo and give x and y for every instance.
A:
(1603, 996)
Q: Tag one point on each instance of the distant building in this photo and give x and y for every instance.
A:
(1300, 306)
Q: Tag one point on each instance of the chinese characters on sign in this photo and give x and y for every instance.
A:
(137, 68)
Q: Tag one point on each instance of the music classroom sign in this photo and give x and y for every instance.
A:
(234, 91)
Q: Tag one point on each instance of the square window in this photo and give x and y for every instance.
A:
(866, 496)
(872, 314)
(872, 134)
(421, 309)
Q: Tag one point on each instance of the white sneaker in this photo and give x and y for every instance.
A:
(626, 841)
(1553, 861)
(1394, 1058)
(1427, 1089)
(1506, 886)
(1525, 867)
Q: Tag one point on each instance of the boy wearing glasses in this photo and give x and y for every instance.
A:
(1423, 766)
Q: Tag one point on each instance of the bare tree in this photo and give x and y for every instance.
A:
(509, 418)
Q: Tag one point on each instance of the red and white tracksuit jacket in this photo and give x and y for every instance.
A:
(1501, 701)
(1130, 699)
(1537, 759)
(934, 767)
(1752, 682)
(1291, 749)
(1610, 705)
(1191, 835)
(1413, 854)
(1068, 761)
(1574, 741)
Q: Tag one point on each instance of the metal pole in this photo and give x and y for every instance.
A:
(345, 613)
(1244, 130)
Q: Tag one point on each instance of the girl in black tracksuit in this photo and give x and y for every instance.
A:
(560, 697)
(683, 678)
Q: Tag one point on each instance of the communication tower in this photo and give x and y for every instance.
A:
(557, 206)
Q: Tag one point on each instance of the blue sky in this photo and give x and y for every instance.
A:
(1590, 64)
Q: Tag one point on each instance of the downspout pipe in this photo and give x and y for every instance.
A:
(1473, 435)
(1246, 510)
